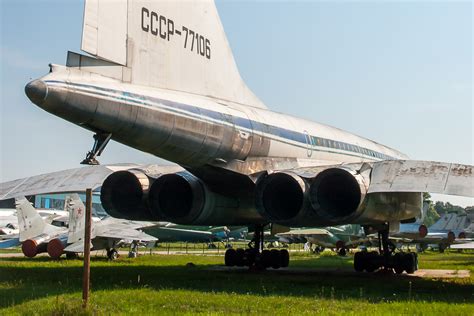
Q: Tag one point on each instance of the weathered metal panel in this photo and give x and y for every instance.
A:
(71, 180)
(422, 176)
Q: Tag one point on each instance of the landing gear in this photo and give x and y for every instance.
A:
(386, 259)
(133, 253)
(342, 252)
(71, 255)
(255, 257)
(112, 254)
(318, 249)
(100, 141)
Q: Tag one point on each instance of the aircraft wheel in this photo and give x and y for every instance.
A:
(359, 261)
(342, 252)
(275, 258)
(409, 261)
(284, 258)
(229, 258)
(239, 257)
(112, 254)
(71, 255)
(371, 261)
(441, 248)
(266, 258)
(398, 263)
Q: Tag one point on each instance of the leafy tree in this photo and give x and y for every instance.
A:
(431, 215)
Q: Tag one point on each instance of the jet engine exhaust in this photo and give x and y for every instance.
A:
(336, 194)
(32, 247)
(182, 198)
(177, 198)
(56, 247)
(280, 196)
(124, 195)
(423, 230)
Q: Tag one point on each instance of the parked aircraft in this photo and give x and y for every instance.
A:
(37, 236)
(340, 238)
(109, 233)
(9, 220)
(163, 80)
(34, 232)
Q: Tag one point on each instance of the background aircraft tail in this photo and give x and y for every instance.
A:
(443, 223)
(30, 223)
(175, 45)
(77, 216)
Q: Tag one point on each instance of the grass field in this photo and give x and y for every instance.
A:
(167, 285)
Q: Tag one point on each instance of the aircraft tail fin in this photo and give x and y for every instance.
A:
(30, 223)
(77, 216)
(443, 222)
(175, 45)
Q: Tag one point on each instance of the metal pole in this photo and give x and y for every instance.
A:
(87, 250)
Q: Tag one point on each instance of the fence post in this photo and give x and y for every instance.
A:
(87, 250)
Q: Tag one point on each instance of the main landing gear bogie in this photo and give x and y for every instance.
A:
(386, 258)
(255, 257)
(400, 262)
(266, 259)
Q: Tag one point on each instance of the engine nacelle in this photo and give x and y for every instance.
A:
(337, 195)
(282, 197)
(56, 247)
(334, 196)
(124, 195)
(32, 247)
(184, 199)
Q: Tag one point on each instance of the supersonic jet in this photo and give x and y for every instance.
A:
(161, 78)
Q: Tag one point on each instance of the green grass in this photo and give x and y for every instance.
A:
(164, 284)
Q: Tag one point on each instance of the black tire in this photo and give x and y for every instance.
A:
(371, 261)
(239, 257)
(359, 261)
(112, 254)
(71, 255)
(284, 258)
(342, 252)
(266, 258)
(229, 258)
(398, 263)
(409, 261)
(275, 258)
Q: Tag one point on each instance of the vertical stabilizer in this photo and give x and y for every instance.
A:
(443, 222)
(175, 45)
(30, 223)
(77, 216)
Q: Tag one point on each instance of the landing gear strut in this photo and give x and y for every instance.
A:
(386, 259)
(256, 257)
(100, 141)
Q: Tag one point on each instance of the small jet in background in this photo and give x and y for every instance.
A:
(34, 232)
(37, 236)
(109, 233)
(340, 237)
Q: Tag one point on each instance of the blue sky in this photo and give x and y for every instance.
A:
(399, 73)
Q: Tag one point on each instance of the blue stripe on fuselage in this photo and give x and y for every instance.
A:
(241, 122)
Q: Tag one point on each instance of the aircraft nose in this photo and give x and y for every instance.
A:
(36, 91)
